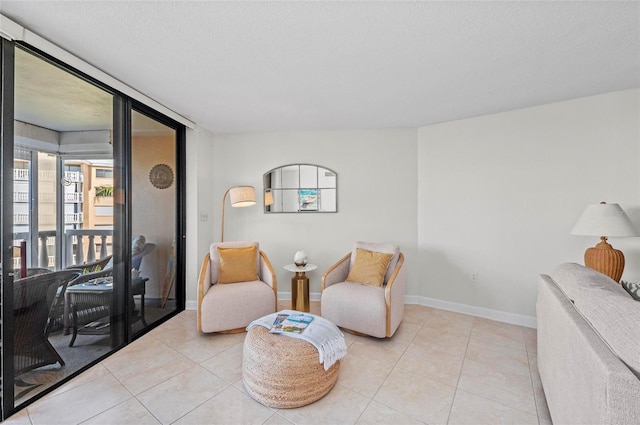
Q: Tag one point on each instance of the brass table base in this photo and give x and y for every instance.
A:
(300, 292)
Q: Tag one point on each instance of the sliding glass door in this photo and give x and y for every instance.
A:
(62, 225)
(91, 223)
(153, 218)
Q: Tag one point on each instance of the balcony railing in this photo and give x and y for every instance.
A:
(47, 175)
(81, 247)
(21, 174)
(74, 176)
(21, 218)
(78, 237)
(45, 238)
(20, 196)
(48, 220)
(73, 197)
(46, 197)
(73, 218)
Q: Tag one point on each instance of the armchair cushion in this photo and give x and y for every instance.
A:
(214, 275)
(361, 308)
(386, 248)
(137, 244)
(369, 267)
(237, 264)
(235, 306)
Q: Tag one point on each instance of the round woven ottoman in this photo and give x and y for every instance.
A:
(283, 372)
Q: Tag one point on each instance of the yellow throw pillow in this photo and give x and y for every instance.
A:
(369, 267)
(237, 264)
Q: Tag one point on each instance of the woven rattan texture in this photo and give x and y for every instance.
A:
(284, 372)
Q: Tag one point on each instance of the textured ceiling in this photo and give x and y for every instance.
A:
(49, 97)
(261, 66)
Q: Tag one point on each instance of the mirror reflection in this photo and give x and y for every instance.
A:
(300, 188)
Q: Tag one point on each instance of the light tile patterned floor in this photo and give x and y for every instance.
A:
(439, 368)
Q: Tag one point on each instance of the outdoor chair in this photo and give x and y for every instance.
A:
(35, 300)
(89, 312)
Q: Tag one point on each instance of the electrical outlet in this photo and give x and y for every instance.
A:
(474, 277)
(204, 216)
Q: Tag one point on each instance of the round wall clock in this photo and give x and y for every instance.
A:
(161, 176)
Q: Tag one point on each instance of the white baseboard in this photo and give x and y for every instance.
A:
(487, 313)
(191, 305)
(286, 296)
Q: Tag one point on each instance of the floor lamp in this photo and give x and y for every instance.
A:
(604, 220)
(241, 196)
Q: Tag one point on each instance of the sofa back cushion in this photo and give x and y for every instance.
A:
(573, 279)
(616, 318)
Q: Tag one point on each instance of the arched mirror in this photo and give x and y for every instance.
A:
(300, 188)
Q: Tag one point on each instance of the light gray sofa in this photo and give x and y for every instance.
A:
(588, 347)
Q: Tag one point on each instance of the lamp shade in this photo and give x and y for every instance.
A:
(268, 198)
(604, 220)
(242, 196)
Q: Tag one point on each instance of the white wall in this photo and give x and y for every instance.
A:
(499, 194)
(495, 195)
(377, 186)
(150, 217)
(200, 176)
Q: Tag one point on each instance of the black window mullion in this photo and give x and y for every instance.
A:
(121, 313)
(7, 59)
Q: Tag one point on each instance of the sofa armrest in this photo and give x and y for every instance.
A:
(573, 359)
(336, 273)
(204, 283)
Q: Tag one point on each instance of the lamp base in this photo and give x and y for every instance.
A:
(605, 259)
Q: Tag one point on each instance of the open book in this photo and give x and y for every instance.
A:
(295, 323)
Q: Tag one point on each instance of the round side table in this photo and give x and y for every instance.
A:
(300, 286)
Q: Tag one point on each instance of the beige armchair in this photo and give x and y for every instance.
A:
(237, 285)
(366, 308)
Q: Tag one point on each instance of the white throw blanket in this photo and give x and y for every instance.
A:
(320, 333)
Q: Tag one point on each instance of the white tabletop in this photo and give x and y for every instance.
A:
(306, 268)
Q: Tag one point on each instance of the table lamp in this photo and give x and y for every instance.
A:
(241, 196)
(604, 220)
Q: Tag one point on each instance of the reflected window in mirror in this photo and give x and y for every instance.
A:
(300, 188)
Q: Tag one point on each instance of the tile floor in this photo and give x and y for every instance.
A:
(439, 368)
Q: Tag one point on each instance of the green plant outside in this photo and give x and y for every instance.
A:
(104, 191)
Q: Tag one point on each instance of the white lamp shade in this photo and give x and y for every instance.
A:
(242, 196)
(604, 220)
(268, 198)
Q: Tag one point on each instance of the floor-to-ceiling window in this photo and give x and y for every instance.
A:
(91, 208)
